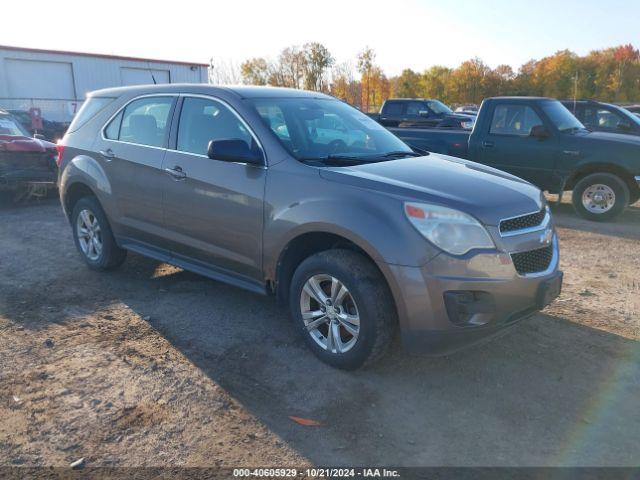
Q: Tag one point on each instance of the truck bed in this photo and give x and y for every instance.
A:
(452, 142)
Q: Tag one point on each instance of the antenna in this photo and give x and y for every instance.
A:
(151, 73)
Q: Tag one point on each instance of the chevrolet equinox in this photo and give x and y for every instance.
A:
(298, 195)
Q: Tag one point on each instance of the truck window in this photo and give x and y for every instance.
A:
(414, 108)
(393, 108)
(514, 120)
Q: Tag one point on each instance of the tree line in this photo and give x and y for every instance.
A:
(610, 74)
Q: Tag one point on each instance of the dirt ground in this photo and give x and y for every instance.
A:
(153, 366)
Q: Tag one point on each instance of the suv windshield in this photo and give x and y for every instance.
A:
(562, 118)
(438, 107)
(325, 129)
(10, 126)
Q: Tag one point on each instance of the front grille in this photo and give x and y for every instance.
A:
(533, 261)
(520, 223)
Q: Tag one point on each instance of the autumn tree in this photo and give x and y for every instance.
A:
(366, 59)
(318, 60)
(407, 84)
(255, 71)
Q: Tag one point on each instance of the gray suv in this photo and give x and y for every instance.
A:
(298, 195)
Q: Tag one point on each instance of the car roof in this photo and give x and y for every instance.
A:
(410, 100)
(520, 98)
(242, 91)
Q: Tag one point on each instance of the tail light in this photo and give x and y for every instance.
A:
(60, 150)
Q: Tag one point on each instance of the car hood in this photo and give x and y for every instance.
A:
(628, 139)
(12, 143)
(484, 192)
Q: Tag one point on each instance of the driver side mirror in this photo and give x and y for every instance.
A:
(540, 132)
(233, 150)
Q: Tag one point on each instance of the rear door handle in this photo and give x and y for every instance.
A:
(176, 172)
(108, 154)
(487, 144)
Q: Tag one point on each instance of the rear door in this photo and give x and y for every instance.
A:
(393, 113)
(508, 146)
(213, 209)
(131, 149)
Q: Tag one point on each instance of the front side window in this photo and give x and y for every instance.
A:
(513, 119)
(144, 121)
(316, 129)
(414, 108)
(561, 118)
(438, 107)
(203, 120)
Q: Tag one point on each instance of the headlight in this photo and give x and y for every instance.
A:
(467, 125)
(451, 230)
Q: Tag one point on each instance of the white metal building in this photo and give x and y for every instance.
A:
(56, 82)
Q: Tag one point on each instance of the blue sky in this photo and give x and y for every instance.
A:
(404, 33)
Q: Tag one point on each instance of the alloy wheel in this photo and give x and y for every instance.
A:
(89, 234)
(330, 313)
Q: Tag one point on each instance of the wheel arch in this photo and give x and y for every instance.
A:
(305, 244)
(602, 167)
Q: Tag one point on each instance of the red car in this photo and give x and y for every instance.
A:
(27, 165)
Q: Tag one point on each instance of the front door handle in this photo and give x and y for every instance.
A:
(176, 172)
(108, 154)
(487, 144)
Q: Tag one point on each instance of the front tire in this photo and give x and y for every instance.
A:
(343, 308)
(600, 197)
(93, 236)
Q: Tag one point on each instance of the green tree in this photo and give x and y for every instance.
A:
(317, 60)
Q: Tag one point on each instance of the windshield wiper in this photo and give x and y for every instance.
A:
(401, 153)
(346, 159)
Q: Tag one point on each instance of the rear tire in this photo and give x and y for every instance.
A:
(600, 197)
(93, 236)
(362, 317)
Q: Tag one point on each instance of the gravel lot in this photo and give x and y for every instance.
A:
(154, 366)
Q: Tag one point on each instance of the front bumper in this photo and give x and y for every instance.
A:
(492, 294)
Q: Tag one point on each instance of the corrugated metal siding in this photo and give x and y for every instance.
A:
(89, 73)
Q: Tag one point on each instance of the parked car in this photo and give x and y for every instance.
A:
(25, 162)
(51, 130)
(357, 237)
(420, 112)
(635, 109)
(539, 140)
(467, 110)
(604, 117)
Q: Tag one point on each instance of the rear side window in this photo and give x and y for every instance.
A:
(144, 121)
(393, 108)
(89, 109)
(514, 120)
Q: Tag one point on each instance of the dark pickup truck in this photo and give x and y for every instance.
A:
(604, 117)
(539, 140)
(420, 113)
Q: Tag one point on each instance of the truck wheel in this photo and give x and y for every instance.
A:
(93, 237)
(600, 196)
(343, 308)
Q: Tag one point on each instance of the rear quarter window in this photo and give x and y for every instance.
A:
(89, 109)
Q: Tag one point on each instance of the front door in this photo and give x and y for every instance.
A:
(508, 145)
(213, 210)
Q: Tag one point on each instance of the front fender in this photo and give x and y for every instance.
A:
(372, 220)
